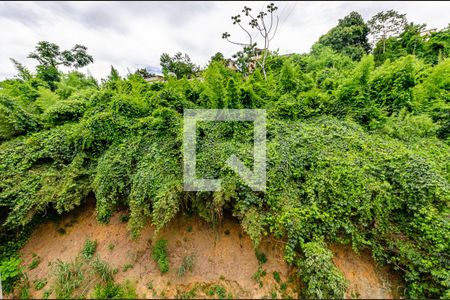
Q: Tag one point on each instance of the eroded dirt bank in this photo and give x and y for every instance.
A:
(223, 257)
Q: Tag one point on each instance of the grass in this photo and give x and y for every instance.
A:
(187, 265)
(127, 267)
(102, 269)
(124, 218)
(149, 285)
(258, 275)
(262, 259)
(217, 290)
(69, 276)
(112, 290)
(89, 249)
(276, 276)
(159, 255)
(111, 246)
(40, 284)
(35, 262)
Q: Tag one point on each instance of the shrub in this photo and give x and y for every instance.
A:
(187, 265)
(320, 276)
(89, 249)
(159, 254)
(10, 271)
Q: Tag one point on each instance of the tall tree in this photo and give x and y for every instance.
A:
(266, 23)
(49, 55)
(386, 24)
(348, 37)
(181, 65)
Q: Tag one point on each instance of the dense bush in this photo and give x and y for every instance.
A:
(358, 153)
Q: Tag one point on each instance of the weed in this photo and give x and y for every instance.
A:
(35, 262)
(187, 265)
(273, 294)
(189, 229)
(46, 294)
(124, 218)
(262, 259)
(89, 249)
(39, 284)
(69, 276)
(149, 285)
(112, 290)
(127, 267)
(111, 246)
(258, 275)
(61, 230)
(276, 276)
(102, 269)
(159, 255)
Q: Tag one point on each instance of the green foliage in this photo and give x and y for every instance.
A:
(35, 262)
(159, 255)
(10, 271)
(40, 284)
(358, 153)
(180, 65)
(69, 276)
(89, 249)
(321, 277)
(103, 270)
(187, 265)
(349, 37)
(111, 290)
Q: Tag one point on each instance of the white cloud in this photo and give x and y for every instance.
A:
(129, 35)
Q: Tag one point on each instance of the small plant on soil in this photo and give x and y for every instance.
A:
(258, 275)
(111, 246)
(124, 218)
(89, 249)
(262, 259)
(187, 265)
(276, 276)
(35, 262)
(149, 285)
(102, 269)
(112, 290)
(61, 231)
(218, 290)
(39, 284)
(69, 276)
(127, 267)
(159, 255)
(46, 294)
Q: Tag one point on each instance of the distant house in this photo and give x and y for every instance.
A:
(155, 78)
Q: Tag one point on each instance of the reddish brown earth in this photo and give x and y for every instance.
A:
(223, 257)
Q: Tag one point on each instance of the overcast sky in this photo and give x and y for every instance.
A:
(131, 35)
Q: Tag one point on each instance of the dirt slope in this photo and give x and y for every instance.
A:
(223, 257)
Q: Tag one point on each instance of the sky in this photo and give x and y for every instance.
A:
(131, 35)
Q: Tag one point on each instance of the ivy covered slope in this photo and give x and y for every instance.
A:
(357, 154)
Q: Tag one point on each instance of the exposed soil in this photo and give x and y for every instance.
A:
(223, 257)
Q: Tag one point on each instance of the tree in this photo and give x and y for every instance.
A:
(218, 57)
(348, 37)
(49, 55)
(181, 65)
(386, 24)
(266, 29)
(144, 73)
